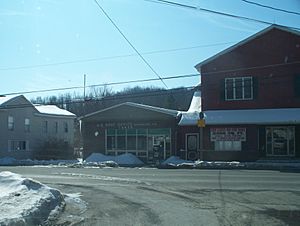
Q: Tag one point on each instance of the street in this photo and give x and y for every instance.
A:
(148, 196)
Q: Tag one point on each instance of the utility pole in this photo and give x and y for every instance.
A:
(81, 121)
(84, 85)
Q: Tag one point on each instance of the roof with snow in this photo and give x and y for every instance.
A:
(274, 26)
(53, 110)
(42, 109)
(253, 116)
(192, 114)
(5, 99)
(141, 106)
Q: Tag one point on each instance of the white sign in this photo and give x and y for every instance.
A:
(228, 134)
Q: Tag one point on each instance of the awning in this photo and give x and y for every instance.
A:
(238, 117)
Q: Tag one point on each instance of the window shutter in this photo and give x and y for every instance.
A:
(222, 90)
(297, 85)
(255, 87)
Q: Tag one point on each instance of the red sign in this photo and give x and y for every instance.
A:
(228, 134)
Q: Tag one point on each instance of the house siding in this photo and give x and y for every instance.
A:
(20, 108)
(276, 84)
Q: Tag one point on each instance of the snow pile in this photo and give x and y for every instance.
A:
(9, 161)
(128, 159)
(99, 157)
(218, 164)
(122, 160)
(24, 201)
(175, 160)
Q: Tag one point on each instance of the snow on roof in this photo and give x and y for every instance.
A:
(25, 201)
(5, 99)
(251, 116)
(192, 115)
(53, 110)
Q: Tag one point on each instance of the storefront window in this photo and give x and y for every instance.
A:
(280, 141)
(137, 140)
(121, 139)
(228, 145)
(131, 139)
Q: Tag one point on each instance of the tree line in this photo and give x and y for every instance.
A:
(98, 98)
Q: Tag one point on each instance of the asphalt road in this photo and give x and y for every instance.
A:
(146, 196)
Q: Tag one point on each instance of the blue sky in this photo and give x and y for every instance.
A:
(41, 32)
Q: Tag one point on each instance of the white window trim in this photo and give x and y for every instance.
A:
(243, 88)
(11, 123)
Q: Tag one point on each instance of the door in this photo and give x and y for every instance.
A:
(192, 146)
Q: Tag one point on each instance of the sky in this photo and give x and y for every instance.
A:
(50, 44)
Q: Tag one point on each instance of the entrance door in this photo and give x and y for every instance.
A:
(280, 141)
(192, 145)
(157, 148)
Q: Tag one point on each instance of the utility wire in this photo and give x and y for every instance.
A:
(102, 85)
(110, 57)
(127, 40)
(215, 12)
(270, 7)
(106, 98)
(210, 73)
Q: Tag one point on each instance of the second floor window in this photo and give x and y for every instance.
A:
(66, 128)
(55, 127)
(45, 127)
(240, 88)
(11, 123)
(27, 125)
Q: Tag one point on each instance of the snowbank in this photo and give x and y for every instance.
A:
(24, 201)
(175, 160)
(122, 160)
(9, 161)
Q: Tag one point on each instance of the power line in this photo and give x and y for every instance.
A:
(127, 40)
(271, 7)
(210, 73)
(107, 98)
(111, 57)
(215, 12)
(103, 84)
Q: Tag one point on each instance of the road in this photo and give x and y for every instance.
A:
(147, 196)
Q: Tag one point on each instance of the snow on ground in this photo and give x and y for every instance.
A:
(24, 201)
(130, 160)
(122, 160)
(175, 160)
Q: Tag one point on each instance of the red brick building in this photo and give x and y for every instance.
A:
(250, 94)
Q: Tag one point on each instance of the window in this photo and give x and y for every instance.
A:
(297, 85)
(18, 145)
(66, 127)
(121, 139)
(11, 123)
(239, 88)
(131, 139)
(27, 125)
(55, 127)
(45, 126)
(280, 141)
(228, 145)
